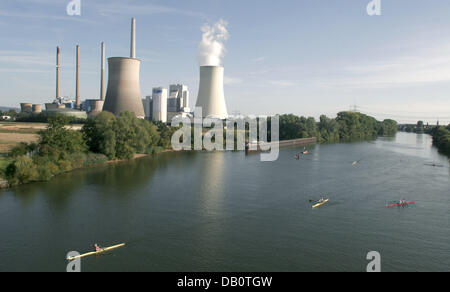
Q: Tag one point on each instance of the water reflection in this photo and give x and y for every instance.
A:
(112, 179)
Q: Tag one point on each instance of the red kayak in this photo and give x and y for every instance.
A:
(401, 205)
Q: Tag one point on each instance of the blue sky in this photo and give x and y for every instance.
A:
(305, 57)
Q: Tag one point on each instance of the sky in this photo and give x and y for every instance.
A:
(305, 57)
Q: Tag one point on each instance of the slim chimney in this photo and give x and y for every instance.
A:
(57, 71)
(102, 78)
(77, 90)
(133, 38)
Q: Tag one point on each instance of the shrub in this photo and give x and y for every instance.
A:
(21, 171)
(95, 158)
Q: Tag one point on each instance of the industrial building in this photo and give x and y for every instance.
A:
(148, 107)
(123, 91)
(211, 97)
(178, 100)
(65, 105)
(162, 107)
(159, 104)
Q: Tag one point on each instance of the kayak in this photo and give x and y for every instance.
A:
(96, 252)
(400, 205)
(320, 204)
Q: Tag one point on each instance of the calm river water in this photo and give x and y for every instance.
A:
(231, 212)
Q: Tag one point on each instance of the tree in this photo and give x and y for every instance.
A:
(100, 134)
(57, 140)
(388, 128)
(120, 137)
(329, 130)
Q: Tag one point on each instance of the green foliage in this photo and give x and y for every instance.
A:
(100, 134)
(356, 126)
(348, 126)
(121, 137)
(294, 127)
(93, 159)
(23, 149)
(165, 135)
(388, 128)
(329, 130)
(22, 170)
(57, 139)
(44, 117)
(441, 139)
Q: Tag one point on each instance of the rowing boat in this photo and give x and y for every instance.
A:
(400, 205)
(96, 252)
(320, 204)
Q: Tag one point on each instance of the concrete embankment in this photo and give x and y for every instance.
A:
(285, 143)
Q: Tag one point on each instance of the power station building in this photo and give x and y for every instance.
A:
(178, 100)
(163, 105)
(159, 105)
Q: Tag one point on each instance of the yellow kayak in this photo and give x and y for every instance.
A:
(96, 252)
(320, 204)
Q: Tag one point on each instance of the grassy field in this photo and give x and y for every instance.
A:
(11, 134)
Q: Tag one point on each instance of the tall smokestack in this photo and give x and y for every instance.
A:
(57, 71)
(77, 90)
(102, 78)
(133, 38)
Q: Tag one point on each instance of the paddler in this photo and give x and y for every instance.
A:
(97, 248)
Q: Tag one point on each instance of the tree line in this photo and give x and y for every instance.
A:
(441, 138)
(102, 138)
(347, 126)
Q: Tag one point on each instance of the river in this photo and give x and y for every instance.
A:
(225, 211)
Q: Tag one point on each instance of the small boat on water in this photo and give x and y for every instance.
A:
(96, 252)
(400, 204)
(320, 203)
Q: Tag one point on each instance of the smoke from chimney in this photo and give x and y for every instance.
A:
(211, 47)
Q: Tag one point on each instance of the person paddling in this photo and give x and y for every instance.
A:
(97, 248)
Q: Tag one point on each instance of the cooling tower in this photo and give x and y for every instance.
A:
(26, 107)
(123, 92)
(211, 97)
(37, 108)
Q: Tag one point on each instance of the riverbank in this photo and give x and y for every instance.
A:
(285, 143)
(4, 184)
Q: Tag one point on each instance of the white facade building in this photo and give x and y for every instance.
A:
(159, 99)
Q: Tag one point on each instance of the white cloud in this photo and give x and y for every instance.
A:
(415, 68)
(232, 80)
(25, 58)
(259, 59)
(282, 83)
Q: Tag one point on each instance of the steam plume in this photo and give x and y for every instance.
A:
(212, 48)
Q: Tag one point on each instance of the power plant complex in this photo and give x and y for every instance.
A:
(123, 92)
